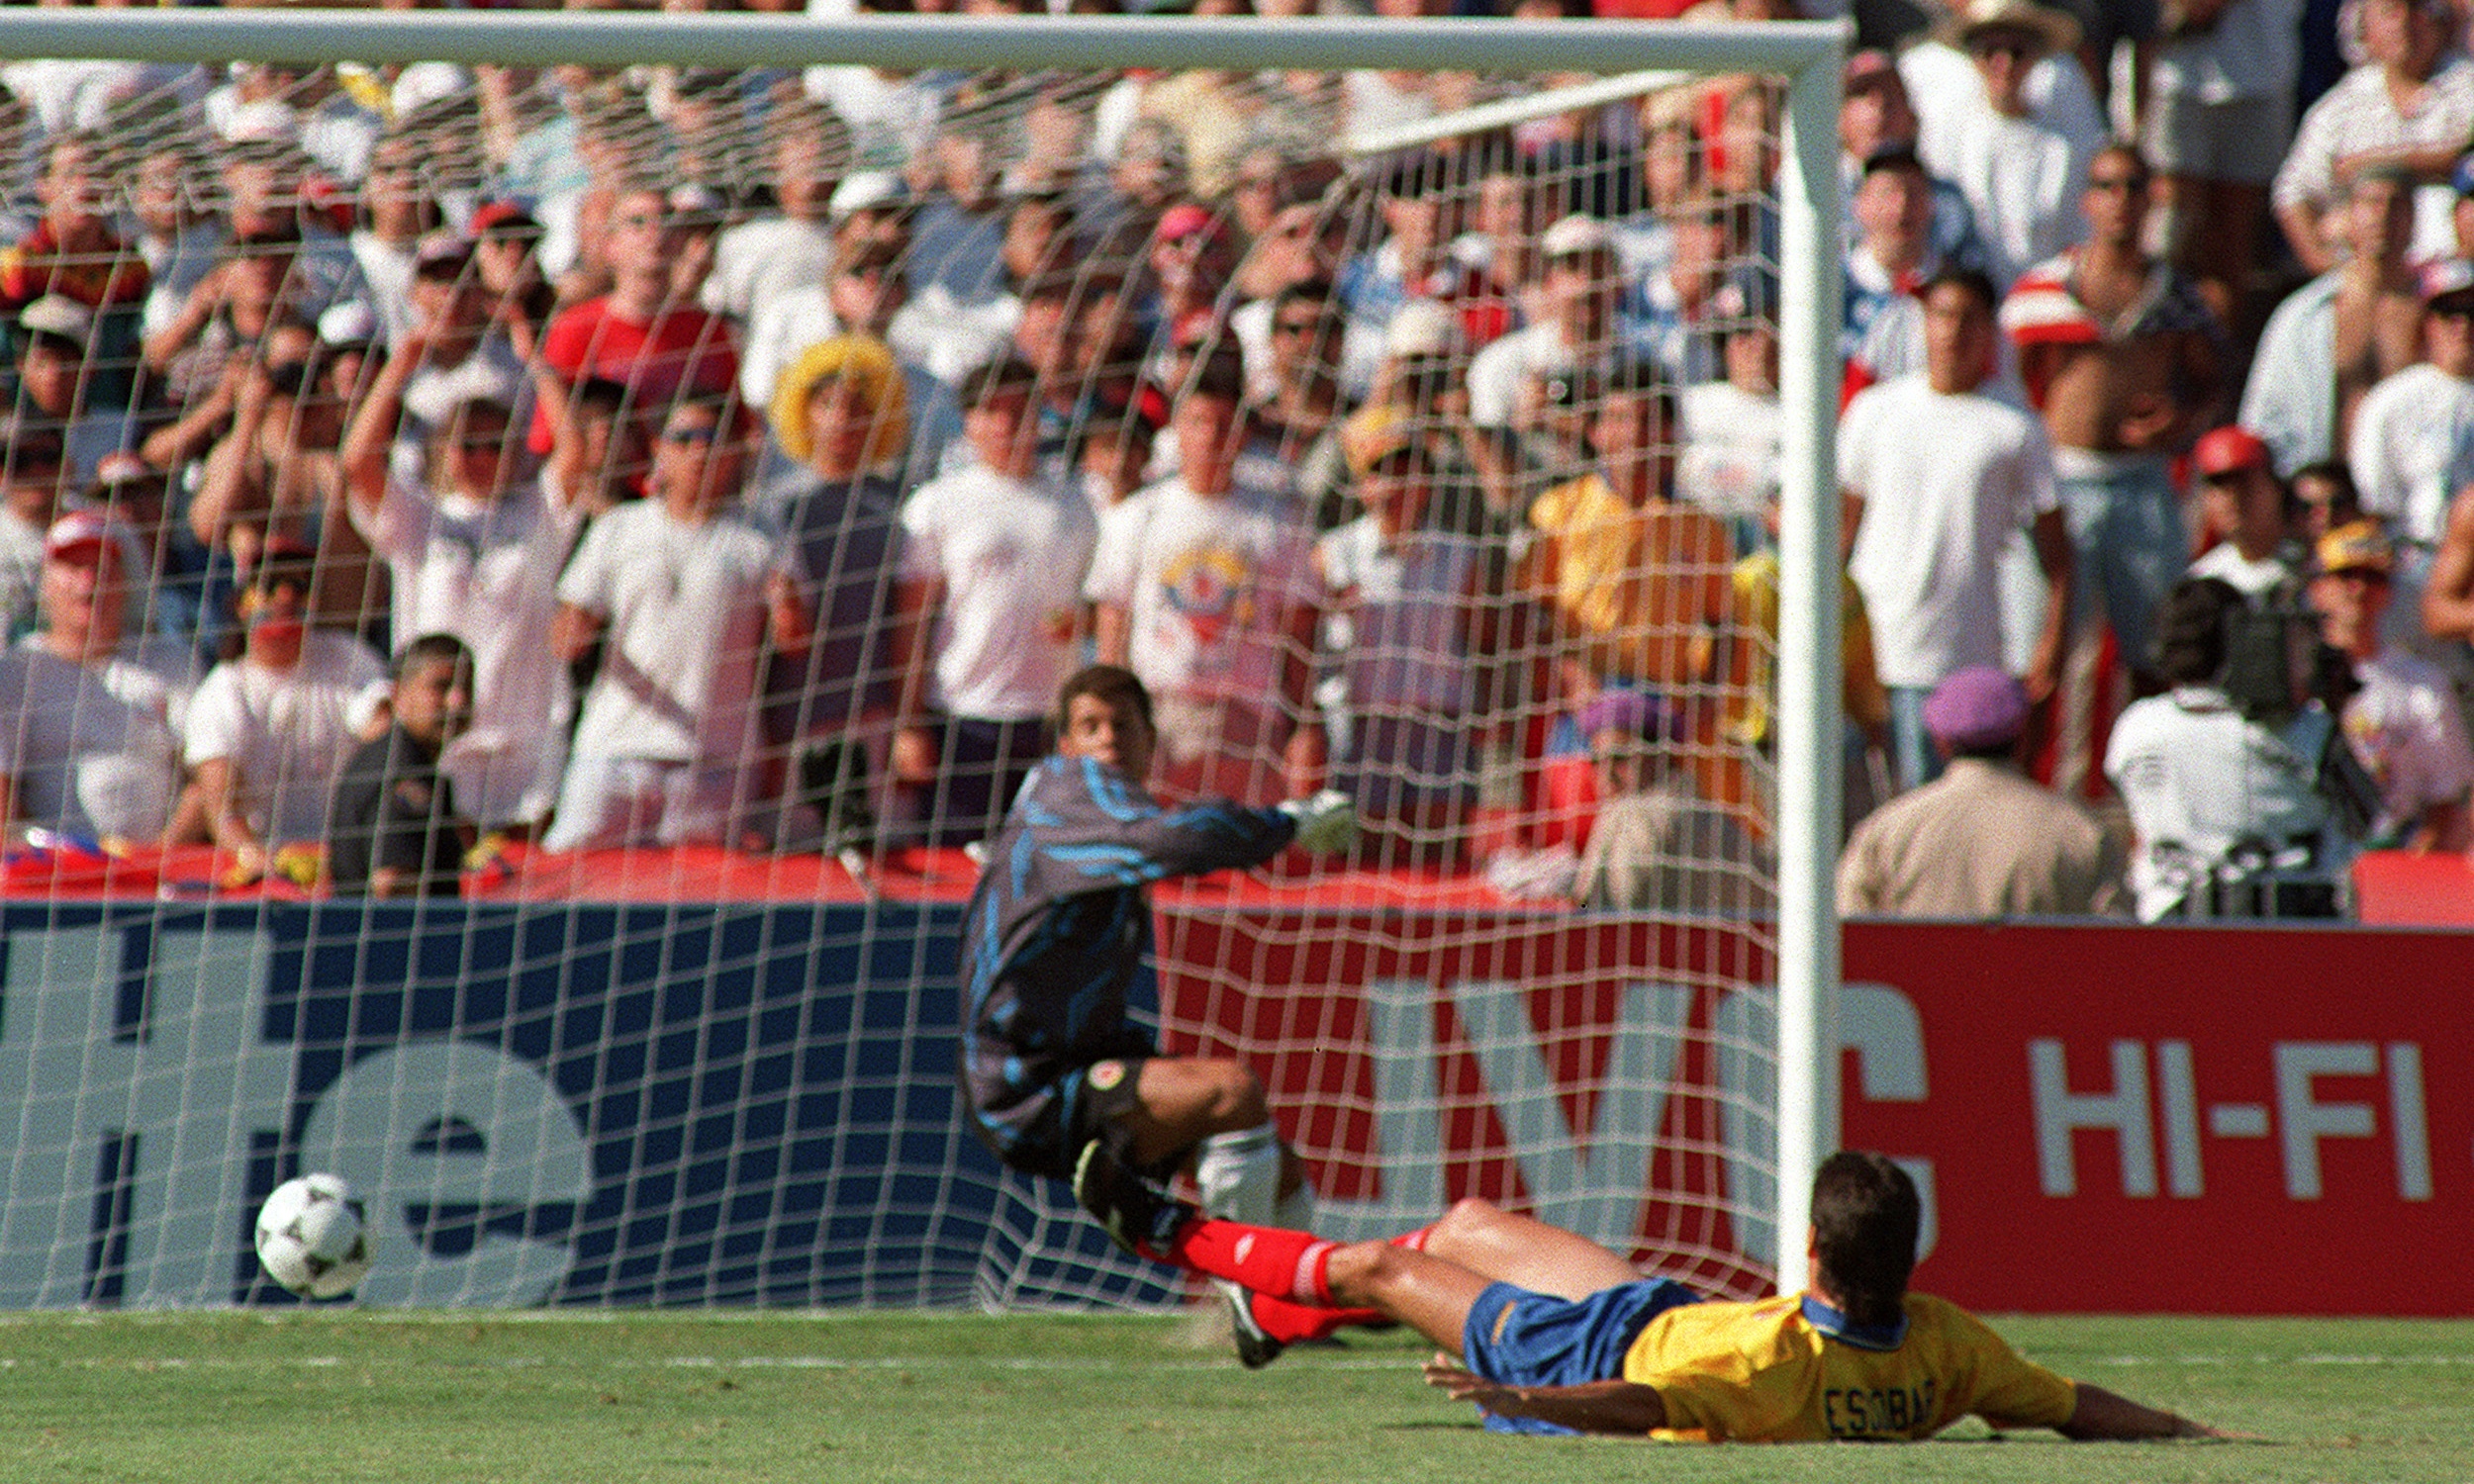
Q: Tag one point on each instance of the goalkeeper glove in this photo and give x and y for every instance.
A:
(1327, 822)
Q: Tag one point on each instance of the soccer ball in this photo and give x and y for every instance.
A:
(311, 1238)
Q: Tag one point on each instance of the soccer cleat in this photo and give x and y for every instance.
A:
(1138, 1217)
(1255, 1348)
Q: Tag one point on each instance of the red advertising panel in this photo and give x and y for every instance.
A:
(2262, 1121)
(2236, 1121)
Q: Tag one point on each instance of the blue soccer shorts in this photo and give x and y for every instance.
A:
(1525, 1339)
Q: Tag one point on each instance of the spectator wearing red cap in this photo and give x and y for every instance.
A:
(2247, 506)
(90, 714)
(2403, 721)
(1982, 840)
(2342, 334)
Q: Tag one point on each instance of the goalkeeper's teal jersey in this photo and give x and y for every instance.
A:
(1792, 1369)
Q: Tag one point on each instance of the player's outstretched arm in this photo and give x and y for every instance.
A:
(1597, 1407)
(2102, 1416)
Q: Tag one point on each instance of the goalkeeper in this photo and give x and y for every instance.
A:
(1549, 1332)
(1056, 942)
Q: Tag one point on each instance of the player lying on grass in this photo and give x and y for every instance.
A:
(1057, 939)
(1553, 1332)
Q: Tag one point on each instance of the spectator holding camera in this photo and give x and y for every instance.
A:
(2229, 815)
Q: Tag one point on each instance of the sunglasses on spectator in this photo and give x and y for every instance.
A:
(694, 432)
(1304, 326)
(2018, 47)
(2117, 183)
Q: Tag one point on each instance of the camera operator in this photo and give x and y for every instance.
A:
(2242, 803)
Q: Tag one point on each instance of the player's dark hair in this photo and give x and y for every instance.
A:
(1112, 686)
(429, 649)
(1866, 1218)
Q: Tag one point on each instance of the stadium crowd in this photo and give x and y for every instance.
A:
(775, 442)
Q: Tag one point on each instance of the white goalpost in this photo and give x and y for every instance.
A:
(759, 1063)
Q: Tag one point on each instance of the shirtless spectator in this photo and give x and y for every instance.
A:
(2342, 334)
(2410, 104)
(2119, 353)
(90, 714)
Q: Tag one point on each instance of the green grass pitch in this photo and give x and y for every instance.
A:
(476, 1398)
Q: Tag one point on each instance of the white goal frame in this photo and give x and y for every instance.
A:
(1807, 52)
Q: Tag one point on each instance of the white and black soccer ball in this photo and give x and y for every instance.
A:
(313, 1239)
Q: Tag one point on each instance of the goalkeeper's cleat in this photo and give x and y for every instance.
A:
(1255, 1348)
(1139, 1216)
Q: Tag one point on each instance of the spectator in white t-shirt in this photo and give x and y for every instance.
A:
(2021, 167)
(90, 714)
(2412, 435)
(1935, 511)
(1204, 588)
(992, 559)
(690, 592)
(270, 728)
(473, 551)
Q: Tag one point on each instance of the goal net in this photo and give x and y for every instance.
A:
(697, 458)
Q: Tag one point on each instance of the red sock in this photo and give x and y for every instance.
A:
(1267, 1259)
(1289, 1323)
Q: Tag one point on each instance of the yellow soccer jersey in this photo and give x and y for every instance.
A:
(1765, 1372)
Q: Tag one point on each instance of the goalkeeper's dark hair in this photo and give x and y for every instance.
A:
(1866, 1219)
(1112, 686)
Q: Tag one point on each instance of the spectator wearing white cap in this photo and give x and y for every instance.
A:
(55, 341)
(2403, 721)
(90, 714)
(1576, 337)
(1982, 840)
